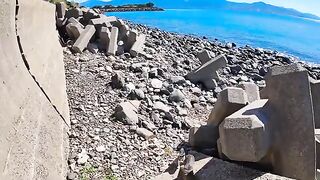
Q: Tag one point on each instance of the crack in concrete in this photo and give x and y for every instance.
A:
(28, 67)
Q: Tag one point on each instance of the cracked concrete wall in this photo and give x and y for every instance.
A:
(40, 45)
(33, 134)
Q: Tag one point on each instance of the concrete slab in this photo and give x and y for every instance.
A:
(84, 39)
(208, 71)
(32, 133)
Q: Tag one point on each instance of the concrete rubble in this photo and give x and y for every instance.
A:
(82, 27)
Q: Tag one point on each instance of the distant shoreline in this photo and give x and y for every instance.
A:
(130, 7)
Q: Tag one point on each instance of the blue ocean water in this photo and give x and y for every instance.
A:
(291, 35)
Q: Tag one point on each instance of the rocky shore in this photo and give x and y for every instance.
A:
(131, 116)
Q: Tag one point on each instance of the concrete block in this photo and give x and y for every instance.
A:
(93, 48)
(315, 92)
(74, 30)
(120, 49)
(104, 38)
(251, 89)
(243, 134)
(138, 45)
(229, 101)
(60, 9)
(204, 136)
(317, 136)
(205, 56)
(89, 14)
(131, 39)
(74, 12)
(74, 20)
(291, 114)
(100, 22)
(113, 43)
(84, 38)
(208, 71)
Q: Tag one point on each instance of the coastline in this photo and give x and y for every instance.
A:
(131, 9)
(168, 57)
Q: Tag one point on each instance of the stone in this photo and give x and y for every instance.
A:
(84, 38)
(101, 148)
(177, 80)
(176, 96)
(120, 49)
(137, 94)
(127, 113)
(156, 83)
(208, 72)
(245, 129)
(204, 136)
(105, 35)
(161, 107)
(205, 56)
(74, 30)
(117, 80)
(138, 45)
(82, 157)
(113, 43)
(60, 9)
(145, 133)
(251, 89)
(229, 101)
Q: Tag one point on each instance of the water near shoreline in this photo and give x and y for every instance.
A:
(295, 36)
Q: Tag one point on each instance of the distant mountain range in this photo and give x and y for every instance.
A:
(209, 4)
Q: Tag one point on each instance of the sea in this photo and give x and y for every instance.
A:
(291, 35)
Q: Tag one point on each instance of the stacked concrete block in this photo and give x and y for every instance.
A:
(84, 39)
(138, 46)
(208, 71)
(205, 56)
(229, 101)
(113, 43)
(245, 129)
(71, 26)
(277, 132)
(284, 121)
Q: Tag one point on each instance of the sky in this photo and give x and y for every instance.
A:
(307, 6)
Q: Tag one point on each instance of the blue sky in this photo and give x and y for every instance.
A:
(308, 6)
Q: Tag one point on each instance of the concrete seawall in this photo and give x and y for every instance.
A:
(34, 111)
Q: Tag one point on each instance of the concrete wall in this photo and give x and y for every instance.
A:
(32, 131)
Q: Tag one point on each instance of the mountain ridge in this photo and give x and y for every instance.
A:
(260, 7)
